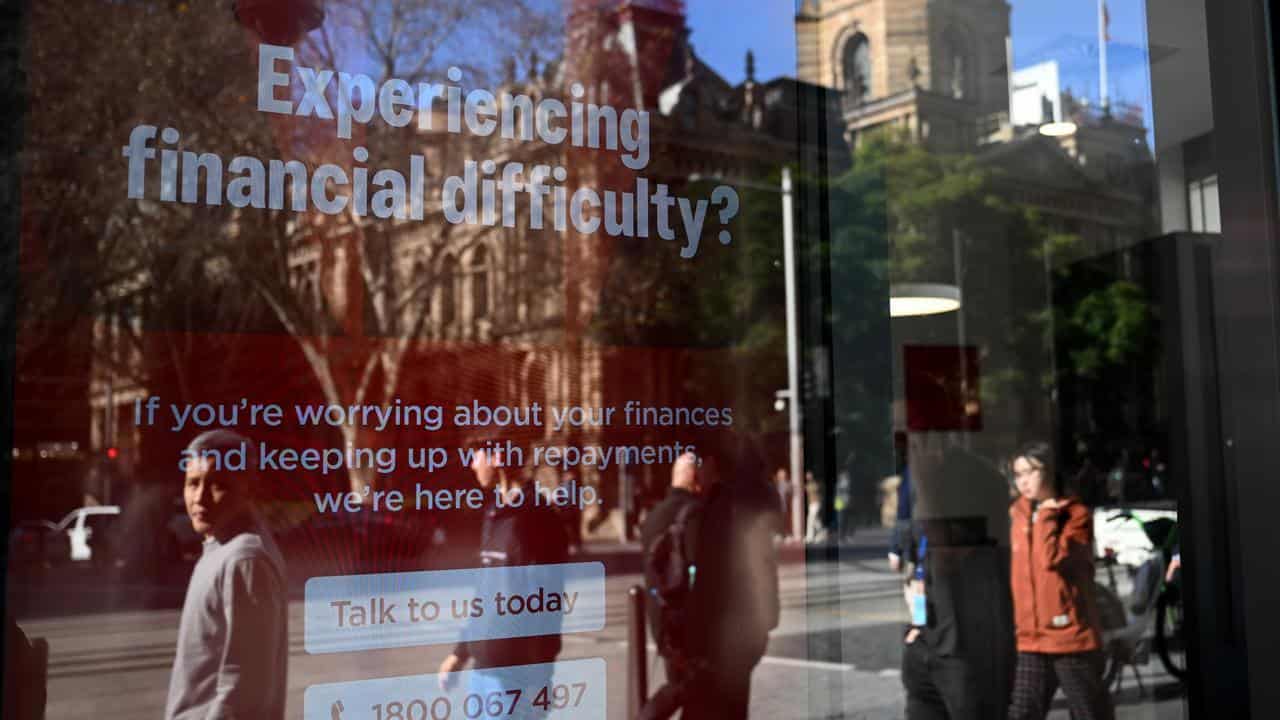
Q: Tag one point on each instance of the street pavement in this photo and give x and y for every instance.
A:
(835, 654)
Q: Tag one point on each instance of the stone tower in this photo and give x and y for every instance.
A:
(934, 67)
(621, 50)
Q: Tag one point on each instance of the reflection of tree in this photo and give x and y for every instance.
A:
(91, 252)
(416, 39)
(932, 206)
(185, 283)
(1109, 327)
(927, 195)
(1079, 329)
(725, 298)
(861, 387)
(357, 337)
(1109, 354)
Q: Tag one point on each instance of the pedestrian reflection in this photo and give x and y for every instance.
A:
(232, 652)
(517, 531)
(1058, 625)
(711, 570)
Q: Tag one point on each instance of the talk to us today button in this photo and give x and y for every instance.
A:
(367, 612)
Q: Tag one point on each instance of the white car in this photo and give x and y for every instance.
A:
(82, 524)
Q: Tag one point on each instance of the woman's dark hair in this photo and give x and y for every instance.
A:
(1040, 453)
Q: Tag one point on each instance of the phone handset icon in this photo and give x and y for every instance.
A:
(335, 710)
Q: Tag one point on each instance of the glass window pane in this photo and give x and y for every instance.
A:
(408, 359)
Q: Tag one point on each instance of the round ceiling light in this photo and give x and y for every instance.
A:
(916, 299)
(1058, 129)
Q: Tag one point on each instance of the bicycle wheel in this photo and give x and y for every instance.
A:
(1170, 643)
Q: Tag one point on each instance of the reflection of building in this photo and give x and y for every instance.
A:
(1035, 95)
(1181, 95)
(497, 314)
(937, 73)
(935, 69)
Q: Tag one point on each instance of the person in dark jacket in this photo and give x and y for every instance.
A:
(734, 600)
(689, 485)
(514, 534)
(957, 654)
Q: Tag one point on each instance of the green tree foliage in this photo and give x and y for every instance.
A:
(728, 299)
(1112, 327)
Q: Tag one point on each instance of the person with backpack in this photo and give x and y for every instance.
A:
(712, 628)
(669, 538)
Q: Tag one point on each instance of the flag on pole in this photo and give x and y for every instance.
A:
(1104, 36)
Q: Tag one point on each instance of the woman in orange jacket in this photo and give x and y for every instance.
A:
(1057, 627)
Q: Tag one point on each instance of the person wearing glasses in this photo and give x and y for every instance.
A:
(1058, 631)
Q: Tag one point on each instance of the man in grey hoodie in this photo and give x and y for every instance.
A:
(233, 639)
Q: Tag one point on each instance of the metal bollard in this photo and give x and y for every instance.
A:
(637, 653)
(38, 682)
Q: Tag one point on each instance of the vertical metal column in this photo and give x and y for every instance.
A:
(1238, 664)
(637, 652)
(793, 360)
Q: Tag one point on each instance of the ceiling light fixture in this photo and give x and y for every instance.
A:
(1058, 129)
(916, 299)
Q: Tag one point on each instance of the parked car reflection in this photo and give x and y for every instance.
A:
(83, 535)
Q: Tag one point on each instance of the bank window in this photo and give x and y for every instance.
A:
(551, 360)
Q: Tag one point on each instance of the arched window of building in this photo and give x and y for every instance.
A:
(856, 66)
(419, 289)
(480, 282)
(304, 279)
(448, 290)
(957, 65)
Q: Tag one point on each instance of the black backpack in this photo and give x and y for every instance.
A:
(670, 573)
